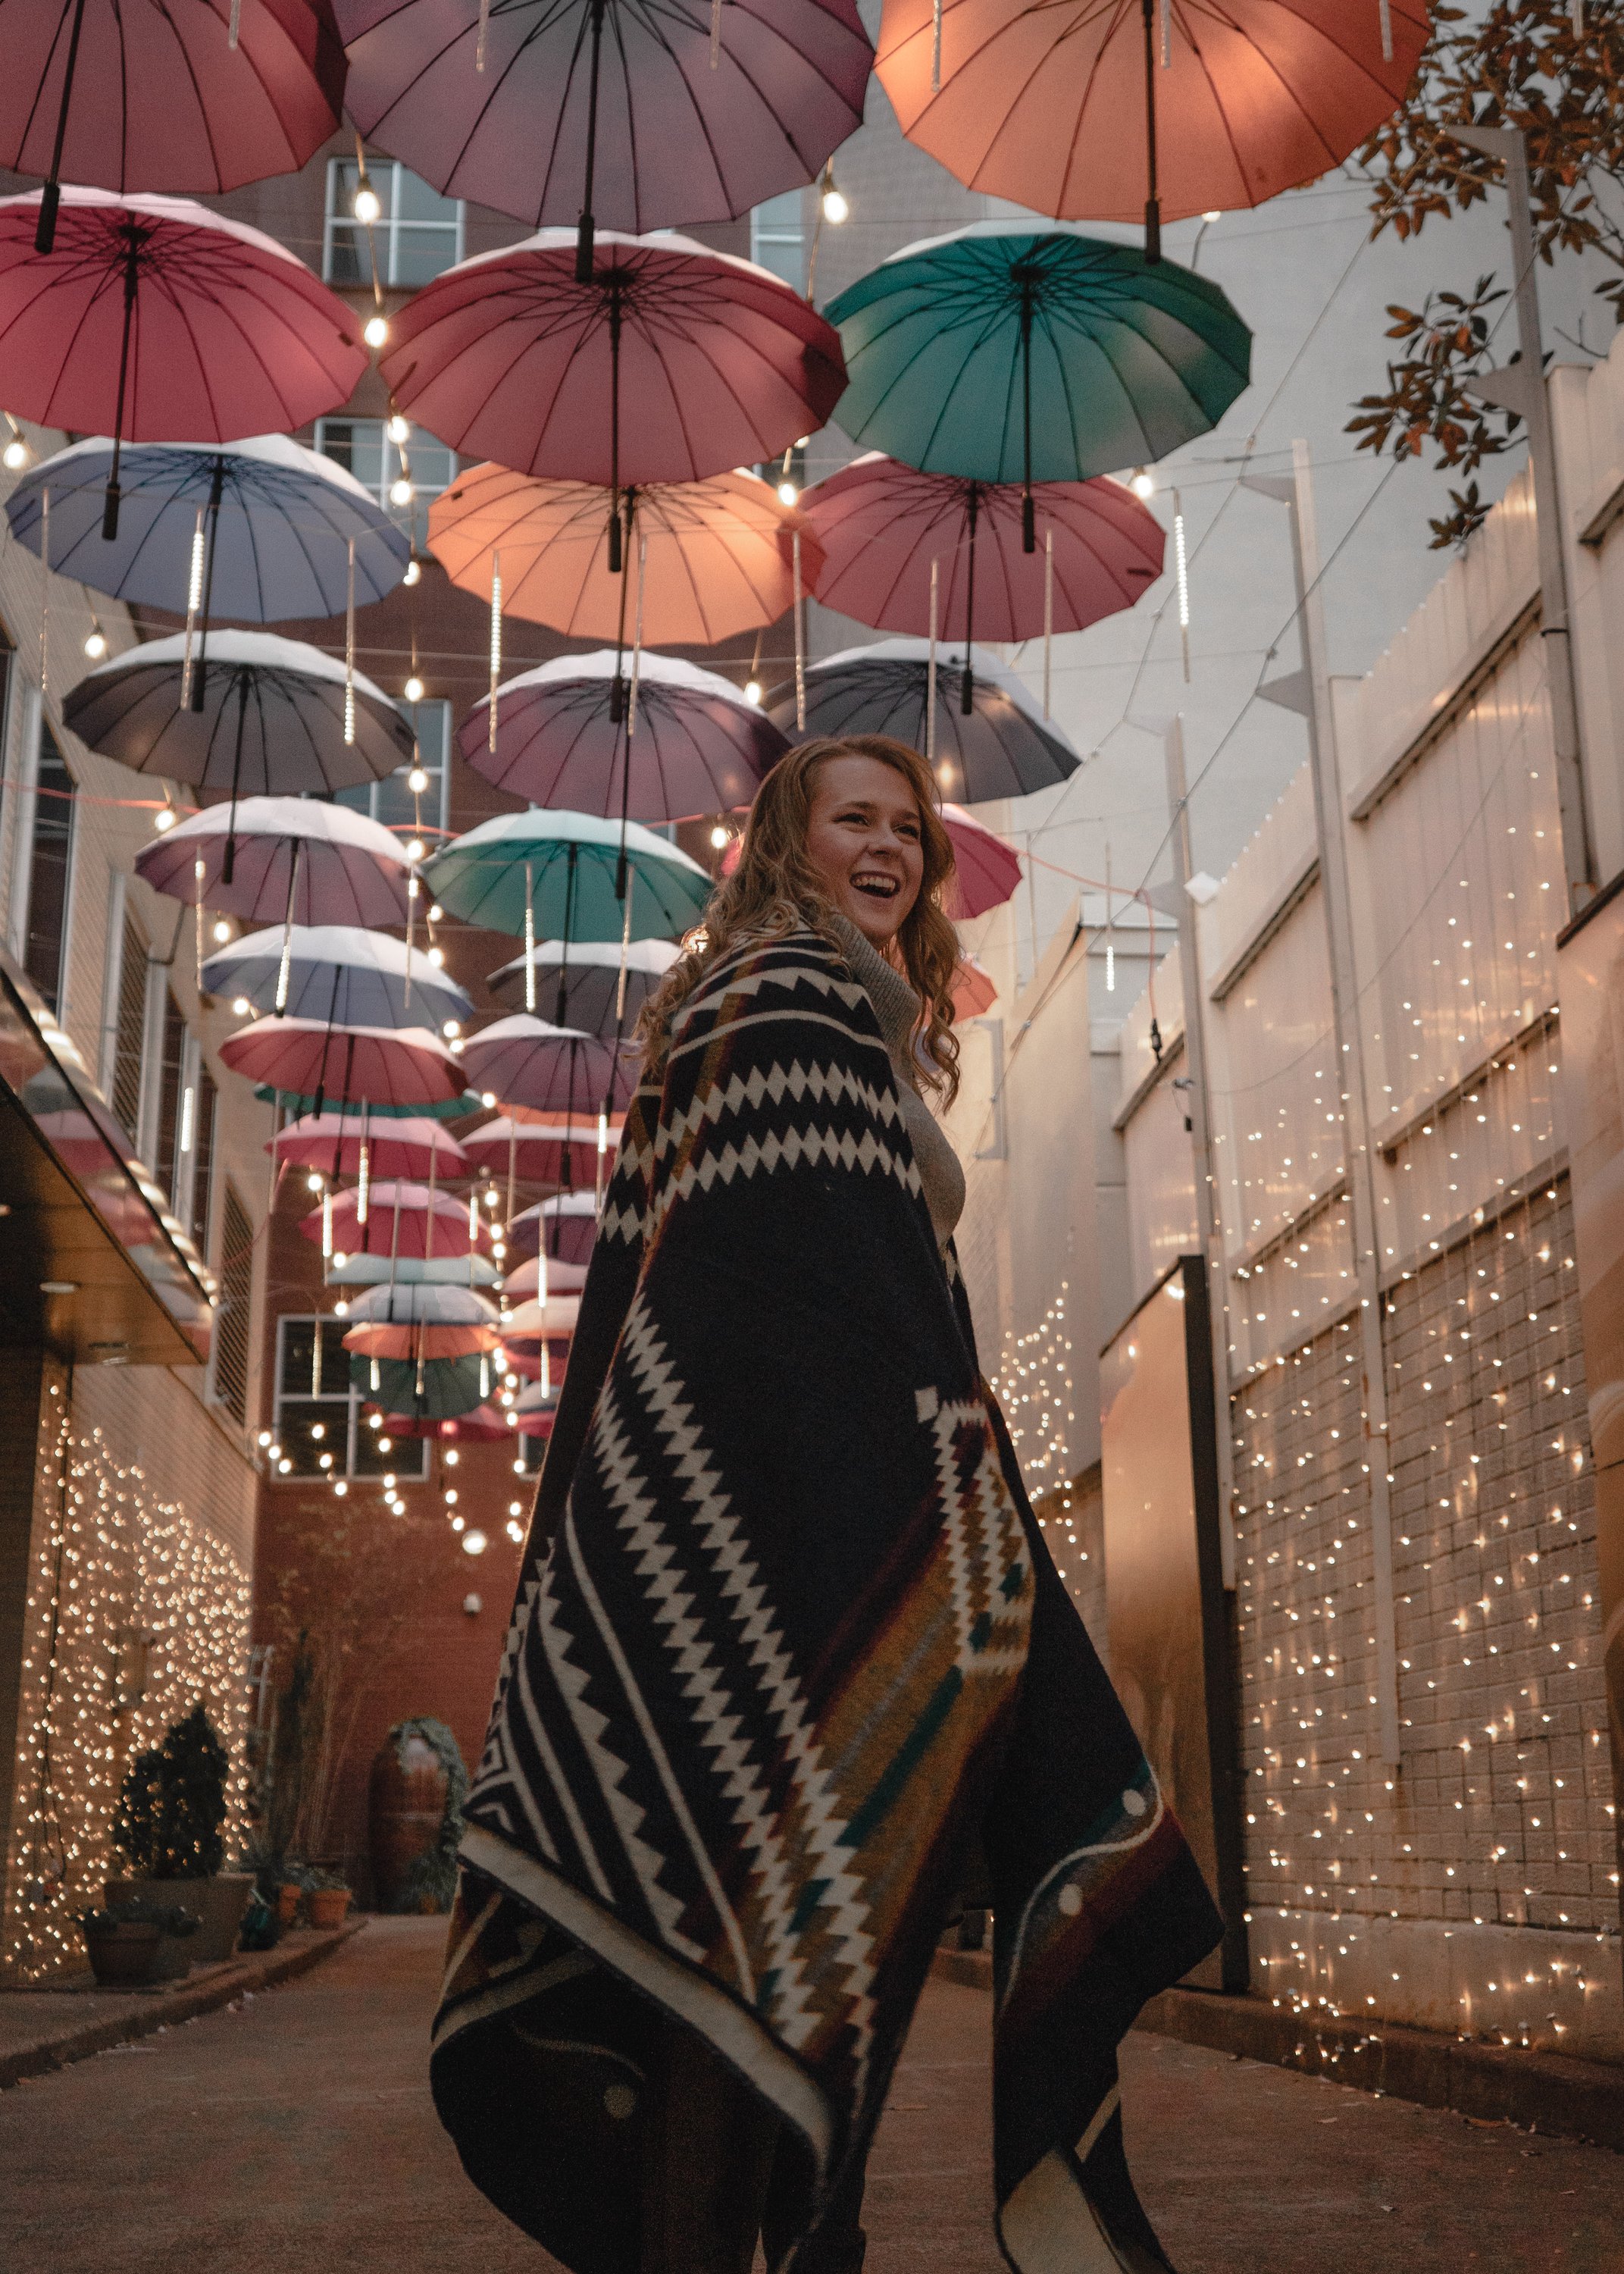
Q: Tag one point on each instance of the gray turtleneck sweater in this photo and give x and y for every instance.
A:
(896, 1007)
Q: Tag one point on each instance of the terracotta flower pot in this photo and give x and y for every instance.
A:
(287, 1901)
(123, 1955)
(328, 1906)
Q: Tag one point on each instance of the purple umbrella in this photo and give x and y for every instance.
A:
(297, 861)
(678, 116)
(524, 1061)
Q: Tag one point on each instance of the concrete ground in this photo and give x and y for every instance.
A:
(294, 2132)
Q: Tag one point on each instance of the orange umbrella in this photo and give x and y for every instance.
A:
(715, 557)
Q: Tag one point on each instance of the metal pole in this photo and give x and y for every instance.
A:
(1309, 692)
(1522, 388)
(1201, 1121)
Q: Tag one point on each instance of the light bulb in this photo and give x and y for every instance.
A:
(473, 1543)
(437, 957)
(222, 931)
(340, 1259)
(164, 818)
(241, 1007)
(487, 1097)
(414, 569)
(402, 491)
(339, 1488)
(719, 836)
(753, 692)
(315, 1181)
(416, 850)
(16, 455)
(787, 494)
(95, 642)
(417, 780)
(375, 332)
(1213, 215)
(1142, 484)
(435, 913)
(368, 206)
(399, 430)
(450, 1027)
(836, 208)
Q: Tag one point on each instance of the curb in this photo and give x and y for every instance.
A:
(162, 2010)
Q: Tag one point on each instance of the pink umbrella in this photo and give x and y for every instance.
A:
(378, 1066)
(337, 1143)
(154, 321)
(283, 860)
(485, 1426)
(551, 1150)
(985, 871)
(562, 1278)
(429, 1222)
(202, 98)
(533, 1321)
(507, 356)
(525, 1061)
(568, 1224)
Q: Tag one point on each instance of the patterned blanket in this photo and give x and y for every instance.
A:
(788, 1644)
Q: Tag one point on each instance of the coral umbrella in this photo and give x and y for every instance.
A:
(551, 1150)
(375, 1065)
(985, 869)
(1004, 354)
(338, 1144)
(397, 1218)
(153, 320)
(707, 559)
(509, 357)
(289, 858)
(1003, 748)
(696, 743)
(582, 980)
(557, 872)
(336, 971)
(195, 95)
(561, 1279)
(1068, 107)
(973, 992)
(527, 1061)
(640, 116)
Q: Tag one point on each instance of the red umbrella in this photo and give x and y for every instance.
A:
(483, 1426)
(551, 1150)
(154, 321)
(138, 95)
(401, 1219)
(525, 1061)
(336, 1142)
(377, 1065)
(973, 992)
(508, 356)
(1068, 108)
(884, 527)
(282, 860)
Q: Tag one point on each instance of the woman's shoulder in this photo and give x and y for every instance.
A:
(780, 974)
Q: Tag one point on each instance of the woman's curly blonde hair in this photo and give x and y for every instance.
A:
(775, 890)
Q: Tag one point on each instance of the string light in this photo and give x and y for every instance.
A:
(17, 453)
(95, 642)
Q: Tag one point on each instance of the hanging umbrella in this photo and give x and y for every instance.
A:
(423, 1306)
(553, 1149)
(154, 321)
(974, 993)
(883, 528)
(485, 1426)
(706, 559)
(278, 523)
(562, 1278)
(378, 1339)
(985, 870)
(696, 743)
(286, 858)
(640, 117)
(556, 872)
(1004, 749)
(275, 717)
(401, 1219)
(1006, 355)
(580, 980)
(415, 1270)
(569, 1223)
(339, 973)
(424, 1390)
(145, 94)
(1071, 109)
(531, 1320)
(509, 357)
(405, 1066)
(526, 1061)
(335, 1143)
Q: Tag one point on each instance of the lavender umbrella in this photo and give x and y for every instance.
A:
(282, 860)
(526, 1061)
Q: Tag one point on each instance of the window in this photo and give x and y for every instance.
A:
(234, 1318)
(779, 239)
(124, 1041)
(167, 1158)
(389, 800)
(417, 236)
(194, 1174)
(363, 448)
(45, 870)
(319, 1409)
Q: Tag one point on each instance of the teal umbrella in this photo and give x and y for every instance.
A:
(428, 1389)
(1002, 354)
(547, 874)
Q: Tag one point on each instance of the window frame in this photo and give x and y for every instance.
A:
(350, 1403)
(386, 230)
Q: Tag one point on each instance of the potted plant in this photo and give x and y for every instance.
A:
(122, 1939)
(326, 1898)
(171, 1827)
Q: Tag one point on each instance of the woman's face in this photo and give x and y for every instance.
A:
(866, 843)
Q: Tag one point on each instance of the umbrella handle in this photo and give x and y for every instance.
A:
(1153, 203)
(50, 196)
(228, 867)
(569, 910)
(584, 232)
(617, 561)
(214, 489)
(966, 691)
(132, 255)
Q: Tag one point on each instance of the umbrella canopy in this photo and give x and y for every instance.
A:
(424, 1305)
(508, 356)
(485, 1426)
(697, 744)
(405, 1066)
(883, 526)
(377, 1338)
(296, 861)
(530, 1321)
(565, 866)
(562, 1278)
(339, 973)
(278, 523)
(1060, 109)
(569, 1223)
(706, 559)
(153, 320)
(146, 95)
(334, 1143)
(422, 1389)
(526, 1061)
(276, 717)
(985, 871)
(973, 992)
(580, 980)
(553, 1151)
(413, 1270)
(1005, 355)
(640, 117)
(1003, 748)
(430, 1223)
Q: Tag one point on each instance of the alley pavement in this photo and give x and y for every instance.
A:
(295, 2131)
